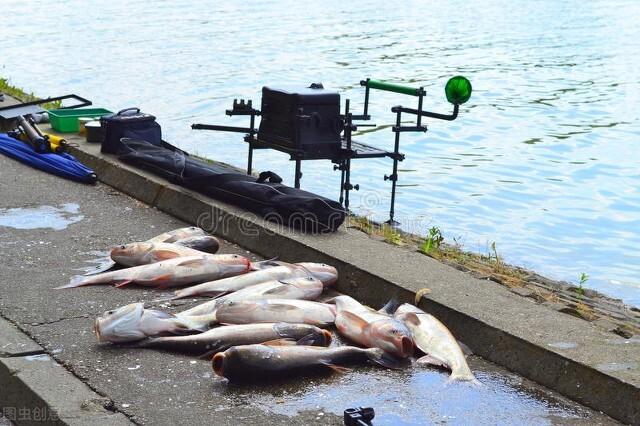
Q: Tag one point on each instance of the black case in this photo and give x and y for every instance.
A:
(129, 123)
(265, 195)
(302, 118)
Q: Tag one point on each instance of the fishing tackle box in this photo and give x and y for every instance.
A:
(302, 118)
(129, 123)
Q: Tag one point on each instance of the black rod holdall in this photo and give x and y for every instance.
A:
(265, 195)
(129, 123)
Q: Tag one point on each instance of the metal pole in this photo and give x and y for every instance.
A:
(250, 159)
(394, 176)
(298, 174)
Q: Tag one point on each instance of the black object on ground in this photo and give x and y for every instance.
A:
(128, 123)
(359, 416)
(265, 195)
(306, 124)
(33, 107)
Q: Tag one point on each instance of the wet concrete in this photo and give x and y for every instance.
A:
(162, 388)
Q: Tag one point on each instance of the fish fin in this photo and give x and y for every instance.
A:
(277, 290)
(410, 317)
(465, 349)
(192, 262)
(390, 307)
(122, 283)
(280, 342)
(264, 264)
(76, 281)
(355, 319)
(433, 361)
(309, 340)
(464, 378)
(210, 353)
(160, 281)
(384, 359)
(195, 323)
(165, 254)
(420, 294)
(336, 368)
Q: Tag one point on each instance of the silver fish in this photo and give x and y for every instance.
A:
(177, 234)
(168, 273)
(144, 253)
(222, 338)
(180, 236)
(252, 362)
(133, 322)
(434, 339)
(371, 328)
(276, 310)
(277, 271)
(306, 288)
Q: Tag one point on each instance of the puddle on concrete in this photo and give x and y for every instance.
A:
(56, 218)
(617, 366)
(39, 357)
(415, 395)
(563, 345)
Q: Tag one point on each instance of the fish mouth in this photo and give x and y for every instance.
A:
(327, 337)
(218, 363)
(406, 346)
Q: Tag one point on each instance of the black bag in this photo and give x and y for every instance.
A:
(129, 123)
(265, 195)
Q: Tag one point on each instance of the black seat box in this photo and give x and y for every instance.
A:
(301, 118)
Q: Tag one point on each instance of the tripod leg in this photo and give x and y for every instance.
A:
(250, 159)
(298, 174)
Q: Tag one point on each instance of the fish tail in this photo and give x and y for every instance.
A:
(76, 281)
(390, 307)
(466, 377)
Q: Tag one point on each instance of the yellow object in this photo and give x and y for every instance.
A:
(55, 142)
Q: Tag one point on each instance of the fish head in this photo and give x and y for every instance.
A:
(240, 362)
(120, 325)
(124, 253)
(393, 337)
(321, 271)
(231, 308)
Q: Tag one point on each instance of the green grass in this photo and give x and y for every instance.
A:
(18, 93)
(433, 241)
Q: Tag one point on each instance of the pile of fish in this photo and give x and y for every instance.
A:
(262, 318)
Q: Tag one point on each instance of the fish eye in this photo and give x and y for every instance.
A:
(110, 312)
(122, 247)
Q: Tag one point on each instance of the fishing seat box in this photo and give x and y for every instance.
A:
(129, 123)
(305, 119)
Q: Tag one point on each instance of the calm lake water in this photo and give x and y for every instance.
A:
(543, 159)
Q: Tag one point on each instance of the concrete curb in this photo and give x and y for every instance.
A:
(563, 353)
(36, 390)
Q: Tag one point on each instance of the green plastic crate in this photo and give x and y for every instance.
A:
(66, 120)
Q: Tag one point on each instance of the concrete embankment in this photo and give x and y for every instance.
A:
(580, 360)
(53, 367)
(587, 364)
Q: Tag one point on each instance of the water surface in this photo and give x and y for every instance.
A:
(543, 159)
